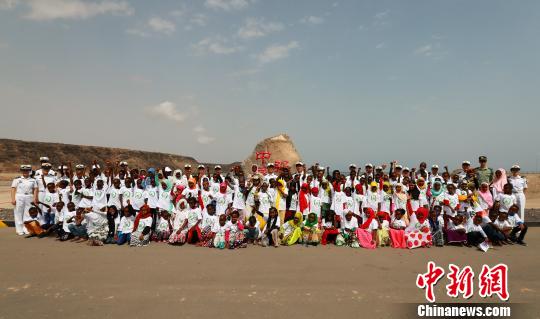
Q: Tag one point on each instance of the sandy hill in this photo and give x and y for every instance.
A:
(15, 152)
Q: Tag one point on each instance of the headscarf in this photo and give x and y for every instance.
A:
(401, 195)
(370, 216)
(311, 224)
(486, 196)
(143, 213)
(174, 178)
(435, 192)
(421, 214)
(179, 191)
(359, 189)
(183, 200)
(194, 181)
(302, 197)
(280, 185)
(389, 191)
(499, 183)
(337, 186)
(315, 191)
(384, 215)
(223, 188)
(297, 215)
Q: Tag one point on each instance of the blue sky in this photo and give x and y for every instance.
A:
(349, 81)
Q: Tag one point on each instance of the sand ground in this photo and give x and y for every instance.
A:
(43, 278)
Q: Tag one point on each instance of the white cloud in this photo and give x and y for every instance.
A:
(256, 28)
(161, 25)
(199, 129)
(204, 139)
(227, 5)
(312, 20)
(434, 51)
(8, 4)
(168, 111)
(276, 52)
(75, 9)
(215, 45)
(138, 32)
(381, 15)
(426, 50)
(198, 19)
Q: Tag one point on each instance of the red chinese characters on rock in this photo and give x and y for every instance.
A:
(428, 280)
(494, 280)
(461, 281)
(263, 157)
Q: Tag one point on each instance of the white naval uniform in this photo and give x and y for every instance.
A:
(24, 196)
(519, 185)
(42, 188)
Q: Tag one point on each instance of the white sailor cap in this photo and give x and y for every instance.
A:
(320, 168)
(378, 168)
(79, 166)
(369, 165)
(187, 166)
(44, 159)
(299, 163)
(406, 169)
(256, 177)
(352, 165)
(200, 166)
(46, 165)
(95, 166)
(515, 166)
(435, 166)
(270, 165)
(123, 163)
(61, 167)
(399, 166)
(26, 167)
(167, 169)
(217, 167)
(466, 163)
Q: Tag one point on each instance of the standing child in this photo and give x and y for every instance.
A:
(236, 232)
(209, 219)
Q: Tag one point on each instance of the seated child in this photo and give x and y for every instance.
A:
(77, 226)
(271, 229)
(125, 227)
(252, 230)
(163, 227)
(518, 226)
(311, 230)
(383, 235)
(330, 228)
(33, 222)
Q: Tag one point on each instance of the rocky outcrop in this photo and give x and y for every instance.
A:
(280, 147)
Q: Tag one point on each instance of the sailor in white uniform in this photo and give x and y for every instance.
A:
(24, 192)
(519, 184)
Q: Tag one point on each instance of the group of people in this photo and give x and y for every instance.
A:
(386, 205)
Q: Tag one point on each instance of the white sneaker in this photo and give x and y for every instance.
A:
(20, 233)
